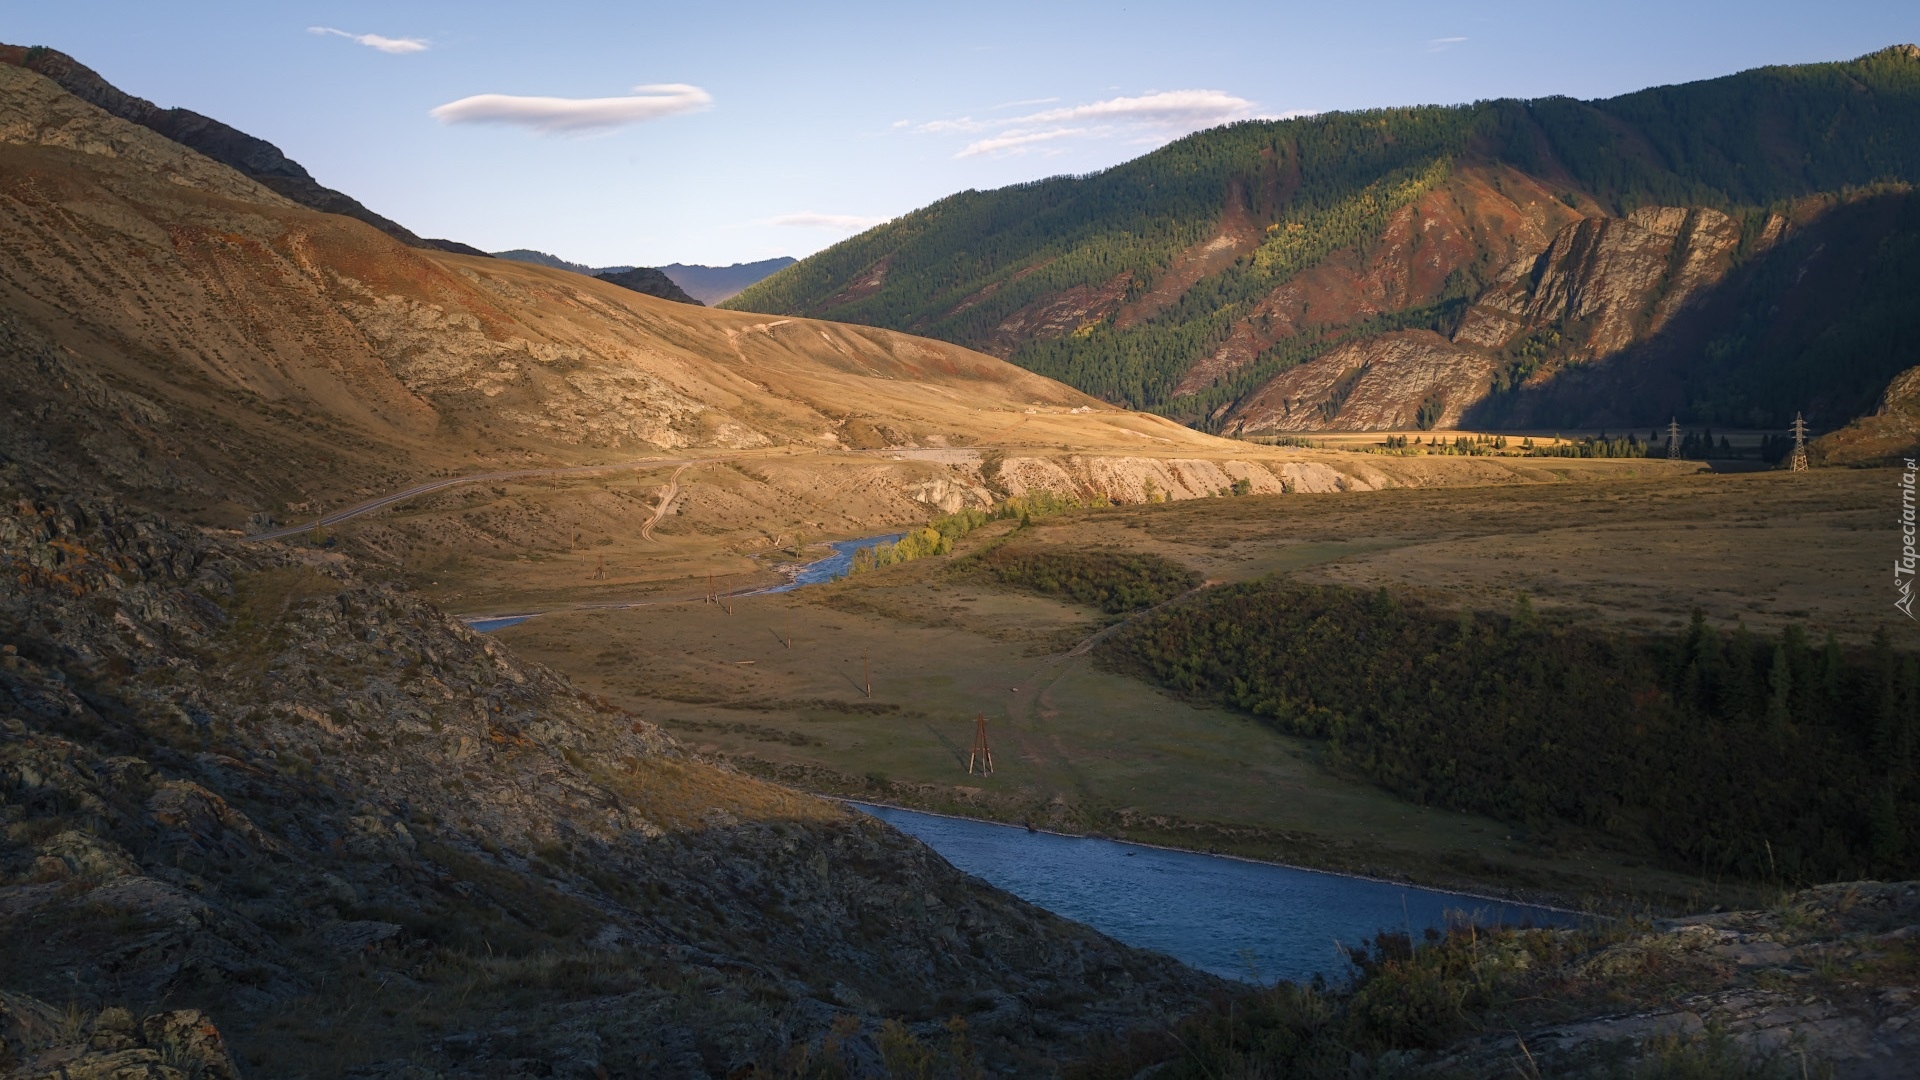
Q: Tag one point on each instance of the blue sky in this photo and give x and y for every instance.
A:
(779, 128)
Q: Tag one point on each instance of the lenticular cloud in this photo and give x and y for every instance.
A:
(550, 115)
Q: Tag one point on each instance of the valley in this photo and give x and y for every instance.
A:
(1084, 750)
(270, 805)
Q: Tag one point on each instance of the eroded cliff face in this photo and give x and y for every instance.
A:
(1611, 281)
(1600, 286)
(1393, 382)
(1477, 214)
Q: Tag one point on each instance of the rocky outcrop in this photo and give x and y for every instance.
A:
(1601, 286)
(40, 1042)
(1121, 479)
(1889, 435)
(1477, 213)
(1763, 991)
(1057, 316)
(1394, 382)
(1611, 281)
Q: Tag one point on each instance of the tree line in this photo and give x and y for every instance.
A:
(1719, 751)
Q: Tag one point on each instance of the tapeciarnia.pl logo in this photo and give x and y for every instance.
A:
(1903, 567)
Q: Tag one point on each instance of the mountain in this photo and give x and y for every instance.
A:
(269, 811)
(541, 258)
(651, 282)
(255, 158)
(712, 284)
(1509, 261)
(703, 284)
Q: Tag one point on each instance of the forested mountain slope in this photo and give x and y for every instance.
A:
(1187, 280)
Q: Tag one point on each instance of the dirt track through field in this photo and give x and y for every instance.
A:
(667, 493)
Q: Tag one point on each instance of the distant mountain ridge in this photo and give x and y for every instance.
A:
(253, 157)
(644, 279)
(1551, 261)
(541, 258)
(702, 284)
(713, 284)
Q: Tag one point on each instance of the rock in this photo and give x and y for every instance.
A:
(38, 1042)
(358, 938)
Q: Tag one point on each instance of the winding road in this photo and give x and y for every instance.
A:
(667, 493)
(430, 486)
(673, 488)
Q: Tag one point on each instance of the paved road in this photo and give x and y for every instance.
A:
(474, 478)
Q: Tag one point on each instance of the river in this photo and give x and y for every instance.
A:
(833, 566)
(1244, 920)
(816, 572)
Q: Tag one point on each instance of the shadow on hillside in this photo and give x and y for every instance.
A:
(1818, 324)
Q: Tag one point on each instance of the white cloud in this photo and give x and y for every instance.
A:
(1174, 108)
(1016, 140)
(963, 123)
(553, 114)
(1151, 118)
(1442, 44)
(808, 219)
(396, 46)
(1024, 104)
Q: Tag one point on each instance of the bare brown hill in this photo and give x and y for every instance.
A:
(254, 157)
(259, 358)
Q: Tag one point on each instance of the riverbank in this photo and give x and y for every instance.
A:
(1236, 918)
(1028, 827)
(1523, 880)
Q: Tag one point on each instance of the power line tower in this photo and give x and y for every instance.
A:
(1673, 437)
(982, 755)
(1799, 444)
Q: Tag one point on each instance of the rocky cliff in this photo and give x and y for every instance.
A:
(1599, 286)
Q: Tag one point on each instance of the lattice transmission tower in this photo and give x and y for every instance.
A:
(1799, 444)
(1673, 437)
(982, 755)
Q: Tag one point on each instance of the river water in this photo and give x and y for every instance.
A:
(814, 573)
(1242, 920)
(835, 565)
(1252, 921)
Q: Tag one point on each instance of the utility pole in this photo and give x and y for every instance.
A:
(1799, 444)
(789, 629)
(1673, 437)
(866, 663)
(982, 755)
